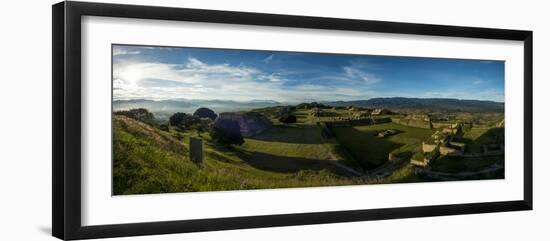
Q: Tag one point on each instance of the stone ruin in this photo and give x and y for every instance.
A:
(250, 123)
(386, 133)
(195, 151)
(415, 120)
(442, 142)
(381, 111)
(362, 114)
(318, 112)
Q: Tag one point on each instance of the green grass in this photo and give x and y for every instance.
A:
(292, 148)
(476, 137)
(147, 160)
(403, 175)
(304, 142)
(372, 151)
(418, 156)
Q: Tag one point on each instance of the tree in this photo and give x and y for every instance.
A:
(205, 113)
(204, 125)
(183, 120)
(177, 119)
(227, 132)
(139, 114)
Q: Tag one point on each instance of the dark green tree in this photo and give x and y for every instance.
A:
(204, 125)
(204, 112)
(183, 121)
(227, 132)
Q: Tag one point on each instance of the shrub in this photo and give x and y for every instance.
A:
(183, 120)
(164, 127)
(204, 125)
(227, 132)
(139, 114)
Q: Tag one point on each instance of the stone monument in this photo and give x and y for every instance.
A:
(195, 150)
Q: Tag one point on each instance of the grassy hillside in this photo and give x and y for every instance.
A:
(147, 160)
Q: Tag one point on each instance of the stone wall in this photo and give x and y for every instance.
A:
(381, 120)
(421, 163)
(444, 125)
(393, 158)
(450, 151)
(428, 147)
(458, 145)
(415, 120)
(363, 121)
(347, 122)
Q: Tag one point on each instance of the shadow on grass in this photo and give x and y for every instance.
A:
(309, 134)
(366, 148)
(491, 136)
(285, 164)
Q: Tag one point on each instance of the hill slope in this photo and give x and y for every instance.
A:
(147, 160)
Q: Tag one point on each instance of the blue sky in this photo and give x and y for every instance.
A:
(141, 72)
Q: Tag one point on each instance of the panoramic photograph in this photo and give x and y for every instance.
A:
(189, 119)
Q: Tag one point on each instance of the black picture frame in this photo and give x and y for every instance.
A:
(66, 128)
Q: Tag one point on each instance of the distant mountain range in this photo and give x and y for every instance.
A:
(164, 108)
(425, 104)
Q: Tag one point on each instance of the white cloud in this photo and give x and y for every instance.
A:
(354, 73)
(479, 81)
(123, 51)
(195, 79)
(268, 58)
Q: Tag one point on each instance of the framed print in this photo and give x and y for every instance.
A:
(169, 120)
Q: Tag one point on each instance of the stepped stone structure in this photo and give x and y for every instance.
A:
(427, 147)
(450, 151)
(415, 120)
(250, 123)
(438, 125)
(424, 160)
(442, 142)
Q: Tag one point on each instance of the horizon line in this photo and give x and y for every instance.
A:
(306, 101)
